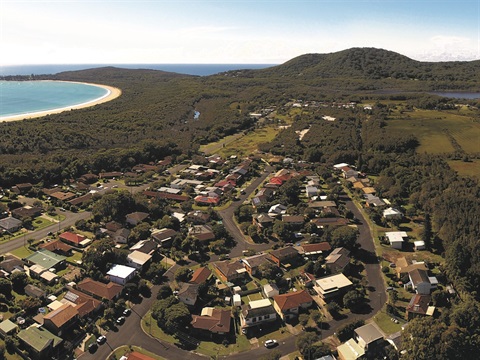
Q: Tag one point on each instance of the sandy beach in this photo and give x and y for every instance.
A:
(112, 93)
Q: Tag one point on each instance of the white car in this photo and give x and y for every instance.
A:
(270, 343)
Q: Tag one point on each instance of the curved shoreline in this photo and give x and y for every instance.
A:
(112, 93)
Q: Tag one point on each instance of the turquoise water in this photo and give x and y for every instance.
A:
(25, 97)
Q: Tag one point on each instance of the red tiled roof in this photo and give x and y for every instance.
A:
(322, 246)
(62, 315)
(107, 291)
(292, 300)
(200, 275)
(71, 237)
(138, 356)
(219, 322)
(56, 245)
(207, 199)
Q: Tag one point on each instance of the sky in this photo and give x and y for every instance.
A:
(232, 31)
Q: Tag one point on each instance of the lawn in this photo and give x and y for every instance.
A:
(386, 324)
(248, 144)
(435, 129)
(463, 168)
(40, 223)
(22, 252)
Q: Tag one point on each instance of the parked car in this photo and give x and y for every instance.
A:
(101, 340)
(127, 312)
(270, 343)
(120, 320)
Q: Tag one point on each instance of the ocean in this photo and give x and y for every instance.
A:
(25, 97)
(189, 69)
(18, 98)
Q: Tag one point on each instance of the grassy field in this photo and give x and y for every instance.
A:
(431, 128)
(22, 252)
(469, 169)
(248, 144)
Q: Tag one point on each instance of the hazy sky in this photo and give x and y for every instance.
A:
(228, 31)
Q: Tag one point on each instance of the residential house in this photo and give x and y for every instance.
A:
(26, 212)
(419, 306)
(22, 188)
(197, 217)
(311, 191)
(135, 355)
(61, 320)
(262, 221)
(277, 209)
(329, 221)
(368, 337)
(85, 305)
(214, 321)
(39, 342)
(338, 260)
(331, 286)
(396, 238)
(11, 263)
(200, 275)
(120, 236)
(76, 240)
(228, 271)
(62, 196)
(45, 259)
(289, 305)
(164, 236)
(136, 218)
(419, 245)
(145, 246)
(403, 267)
(110, 175)
(257, 312)
(34, 291)
(419, 281)
(270, 290)
(201, 232)
(109, 291)
(7, 328)
(188, 293)
(10, 224)
(284, 255)
(322, 204)
(315, 249)
(88, 178)
(121, 274)
(207, 200)
(138, 259)
(293, 220)
(252, 263)
(58, 247)
(391, 214)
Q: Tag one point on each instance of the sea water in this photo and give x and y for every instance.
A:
(25, 97)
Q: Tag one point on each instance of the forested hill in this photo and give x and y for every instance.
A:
(371, 63)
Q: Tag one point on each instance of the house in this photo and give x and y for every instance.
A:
(201, 232)
(83, 303)
(419, 245)
(322, 204)
(120, 236)
(396, 238)
(419, 281)
(311, 191)
(284, 255)
(262, 220)
(136, 218)
(166, 196)
(338, 261)
(26, 212)
(88, 178)
(270, 290)
(293, 220)
(164, 236)
(288, 305)
(368, 337)
(315, 249)
(58, 247)
(419, 306)
(22, 188)
(110, 175)
(145, 246)
(11, 263)
(76, 240)
(39, 342)
(138, 259)
(214, 321)
(197, 217)
(121, 274)
(200, 275)
(277, 209)
(61, 319)
(34, 291)
(403, 267)
(188, 293)
(331, 286)
(7, 328)
(110, 291)
(391, 214)
(10, 224)
(135, 355)
(45, 259)
(228, 271)
(252, 263)
(257, 312)
(207, 200)
(63, 196)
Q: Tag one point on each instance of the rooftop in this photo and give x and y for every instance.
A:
(38, 338)
(121, 271)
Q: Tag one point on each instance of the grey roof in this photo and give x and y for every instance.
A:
(261, 311)
(10, 223)
(369, 333)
